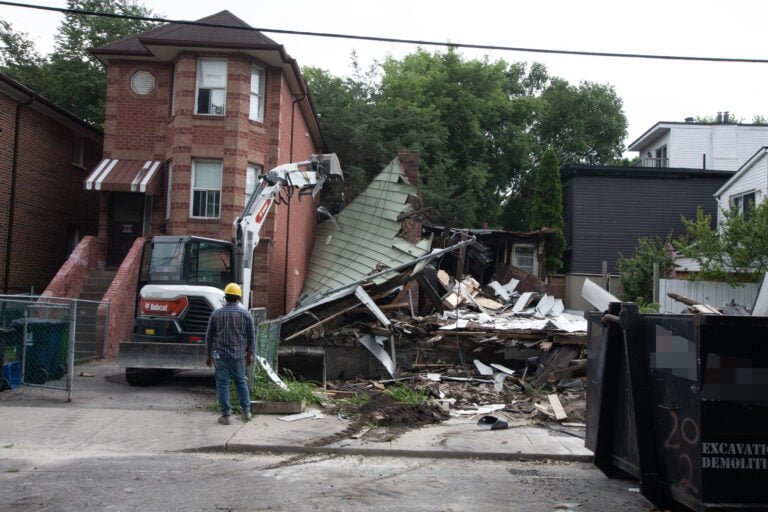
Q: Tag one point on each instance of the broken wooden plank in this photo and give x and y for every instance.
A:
(561, 358)
(557, 407)
(682, 298)
(429, 291)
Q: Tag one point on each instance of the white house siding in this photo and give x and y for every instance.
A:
(687, 145)
(755, 179)
(723, 153)
(726, 146)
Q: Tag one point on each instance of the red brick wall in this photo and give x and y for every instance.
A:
(142, 127)
(291, 243)
(122, 297)
(71, 277)
(50, 195)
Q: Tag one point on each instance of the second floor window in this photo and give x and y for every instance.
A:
(206, 189)
(211, 87)
(256, 112)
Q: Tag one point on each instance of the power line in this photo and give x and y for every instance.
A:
(418, 42)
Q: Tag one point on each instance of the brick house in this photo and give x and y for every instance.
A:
(193, 114)
(44, 211)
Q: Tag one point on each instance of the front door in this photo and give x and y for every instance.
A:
(126, 216)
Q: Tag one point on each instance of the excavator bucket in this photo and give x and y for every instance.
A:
(171, 356)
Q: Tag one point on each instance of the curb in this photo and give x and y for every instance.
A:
(389, 452)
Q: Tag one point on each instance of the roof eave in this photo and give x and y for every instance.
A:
(651, 134)
(759, 154)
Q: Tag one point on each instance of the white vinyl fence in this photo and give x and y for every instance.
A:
(706, 292)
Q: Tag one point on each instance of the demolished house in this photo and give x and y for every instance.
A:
(389, 297)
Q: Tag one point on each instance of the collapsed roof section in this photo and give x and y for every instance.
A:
(366, 237)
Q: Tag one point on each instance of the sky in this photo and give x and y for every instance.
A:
(651, 90)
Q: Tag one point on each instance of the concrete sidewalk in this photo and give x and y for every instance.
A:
(143, 431)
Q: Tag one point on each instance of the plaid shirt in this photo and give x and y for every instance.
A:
(230, 332)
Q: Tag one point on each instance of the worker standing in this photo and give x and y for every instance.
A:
(229, 343)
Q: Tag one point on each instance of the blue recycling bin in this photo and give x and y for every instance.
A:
(45, 348)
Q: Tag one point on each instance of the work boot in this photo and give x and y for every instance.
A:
(224, 420)
(246, 416)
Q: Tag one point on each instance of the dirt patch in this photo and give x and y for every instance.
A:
(382, 418)
(383, 411)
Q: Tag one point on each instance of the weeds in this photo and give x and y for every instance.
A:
(265, 389)
(402, 393)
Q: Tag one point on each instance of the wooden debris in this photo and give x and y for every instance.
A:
(557, 407)
(560, 358)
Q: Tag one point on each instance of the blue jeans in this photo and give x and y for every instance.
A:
(226, 369)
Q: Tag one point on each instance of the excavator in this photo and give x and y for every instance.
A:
(181, 278)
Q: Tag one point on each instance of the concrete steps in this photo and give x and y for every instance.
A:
(90, 330)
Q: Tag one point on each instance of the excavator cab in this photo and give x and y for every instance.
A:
(181, 281)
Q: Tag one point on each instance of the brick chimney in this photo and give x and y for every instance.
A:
(409, 159)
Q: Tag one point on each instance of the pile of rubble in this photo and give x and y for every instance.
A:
(500, 348)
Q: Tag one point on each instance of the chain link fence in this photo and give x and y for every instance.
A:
(267, 340)
(41, 339)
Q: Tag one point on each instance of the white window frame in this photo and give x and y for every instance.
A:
(168, 193)
(534, 266)
(174, 89)
(200, 84)
(193, 189)
(738, 200)
(251, 170)
(256, 103)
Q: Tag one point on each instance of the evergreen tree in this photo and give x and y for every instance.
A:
(547, 208)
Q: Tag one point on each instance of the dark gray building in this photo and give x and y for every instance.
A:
(607, 209)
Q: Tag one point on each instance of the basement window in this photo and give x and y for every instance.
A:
(524, 258)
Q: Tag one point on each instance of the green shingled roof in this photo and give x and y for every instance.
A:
(365, 238)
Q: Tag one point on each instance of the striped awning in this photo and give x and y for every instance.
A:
(126, 176)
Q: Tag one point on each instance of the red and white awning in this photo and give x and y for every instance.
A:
(126, 176)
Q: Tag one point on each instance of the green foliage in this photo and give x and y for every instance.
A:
(738, 252)
(474, 122)
(265, 389)
(404, 394)
(583, 123)
(637, 271)
(760, 120)
(547, 207)
(70, 77)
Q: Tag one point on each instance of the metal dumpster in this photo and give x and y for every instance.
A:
(680, 402)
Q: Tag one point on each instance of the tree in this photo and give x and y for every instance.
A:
(70, 77)
(547, 208)
(478, 125)
(637, 271)
(736, 252)
(19, 59)
(583, 123)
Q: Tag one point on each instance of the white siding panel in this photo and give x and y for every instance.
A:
(726, 146)
(714, 294)
(688, 144)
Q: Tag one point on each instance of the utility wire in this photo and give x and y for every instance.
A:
(394, 40)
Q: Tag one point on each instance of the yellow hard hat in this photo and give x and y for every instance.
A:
(233, 289)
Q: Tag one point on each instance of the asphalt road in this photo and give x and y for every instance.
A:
(64, 481)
